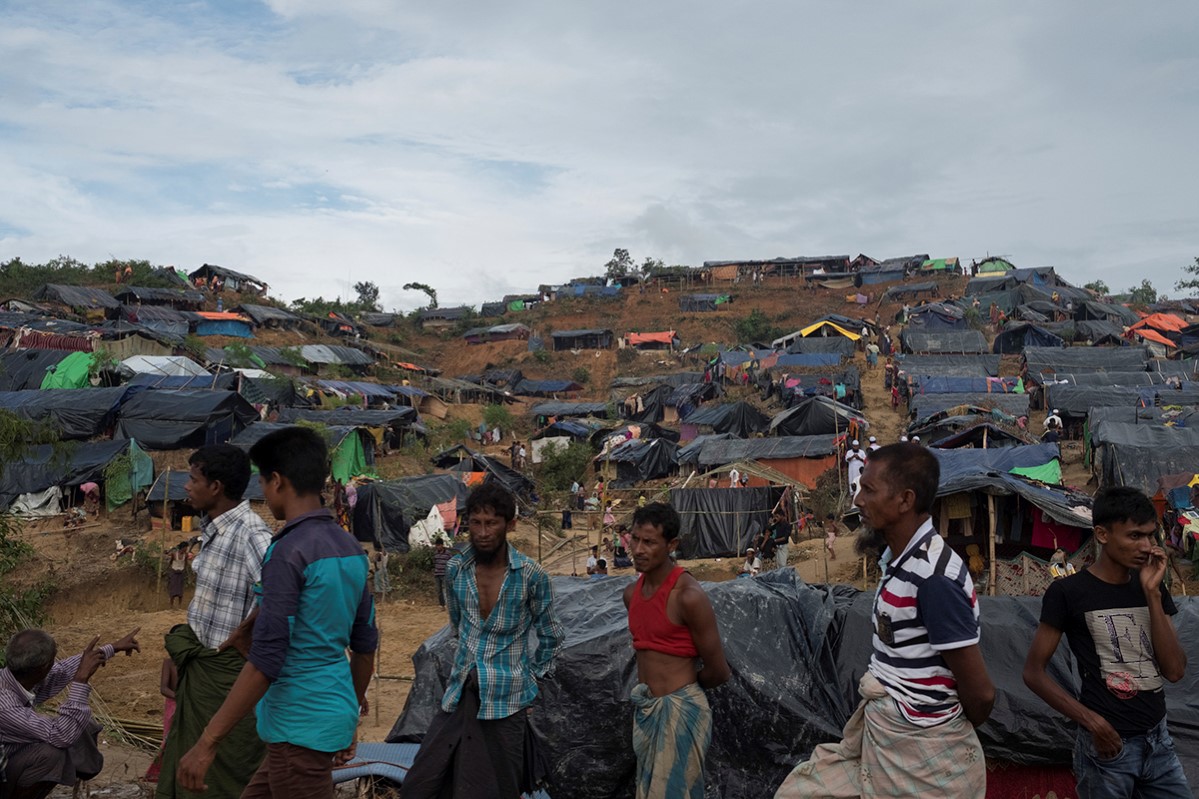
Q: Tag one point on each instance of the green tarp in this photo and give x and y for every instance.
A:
(71, 372)
(125, 475)
(349, 460)
(1049, 473)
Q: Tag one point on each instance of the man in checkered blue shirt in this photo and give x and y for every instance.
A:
(233, 544)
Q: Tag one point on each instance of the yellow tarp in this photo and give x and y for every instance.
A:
(810, 329)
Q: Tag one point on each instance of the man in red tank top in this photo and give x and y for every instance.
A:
(679, 653)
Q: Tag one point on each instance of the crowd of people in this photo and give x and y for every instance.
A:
(272, 666)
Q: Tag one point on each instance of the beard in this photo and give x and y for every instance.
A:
(869, 541)
(487, 557)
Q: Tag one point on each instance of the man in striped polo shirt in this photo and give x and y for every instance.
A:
(926, 687)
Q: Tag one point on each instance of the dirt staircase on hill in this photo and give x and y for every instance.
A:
(885, 424)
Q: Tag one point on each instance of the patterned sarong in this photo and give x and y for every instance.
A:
(670, 738)
(883, 754)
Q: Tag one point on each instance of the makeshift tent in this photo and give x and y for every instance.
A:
(582, 339)
(954, 384)
(825, 329)
(547, 409)
(945, 341)
(844, 386)
(804, 360)
(940, 265)
(387, 510)
(1084, 359)
(665, 340)
(545, 388)
(232, 280)
(801, 458)
(160, 319)
(225, 323)
(969, 430)
(1105, 311)
(176, 298)
(1098, 332)
(814, 416)
(27, 369)
(183, 419)
(508, 332)
(922, 406)
(226, 381)
(45, 466)
(1077, 400)
(1138, 455)
(72, 371)
(164, 365)
(335, 354)
(965, 365)
(640, 459)
(838, 345)
(910, 290)
(1014, 338)
(935, 317)
(74, 414)
(674, 380)
(721, 522)
(689, 453)
(994, 265)
(80, 297)
(703, 302)
(687, 397)
(392, 417)
(959, 466)
(646, 406)
(794, 688)
(269, 316)
(462, 459)
(739, 418)
(351, 449)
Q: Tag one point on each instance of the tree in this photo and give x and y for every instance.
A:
(1187, 284)
(755, 327)
(432, 292)
(1098, 286)
(368, 295)
(620, 265)
(1144, 294)
(560, 466)
(650, 265)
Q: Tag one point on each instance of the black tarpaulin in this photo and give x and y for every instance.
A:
(961, 466)
(1138, 454)
(923, 406)
(167, 419)
(797, 653)
(43, 467)
(394, 417)
(943, 341)
(955, 432)
(26, 369)
(462, 459)
(1015, 338)
(739, 418)
(597, 409)
(387, 510)
(1085, 359)
(640, 459)
(1077, 400)
(717, 453)
(651, 405)
(721, 522)
(819, 344)
(814, 416)
(961, 365)
(689, 453)
(76, 414)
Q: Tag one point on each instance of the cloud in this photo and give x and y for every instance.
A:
(487, 148)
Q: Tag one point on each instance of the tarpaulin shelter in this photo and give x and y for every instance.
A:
(72, 371)
(955, 432)
(160, 319)
(648, 405)
(940, 265)
(791, 690)
(351, 449)
(838, 345)
(45, 466)
(1137, 414)
(386, 510)
(994, 265)
(800, 458)
(739, 418)
(932, 317)
(721, 522)
(225, 381)
(640, 459)
(844, 386)
(909, 290)
(548, 409)
(664, 340)
(958, 466)
(396, 420)
(922, 406)
(959, 384)
(172, 365)
(509, 332)
(688, 454)
(687, 397)
(75, 414)
(1138, 455)
(674, 380)
(1078, 400)
(592, 339)
(1014, 338)
(545, 388)
(232, 280)
(1104, 311)
(382, 319)
(825, 329)
(1084, 359)
(459, 458)
(1098, 332)
(335, 354)
(183, 419)
(814, 416)
(944, 341)
(965, 365)
(26, 369)
(270, 316)
(804, 360)
(1111, 379)
(703, 302)
(182, 299)
(78, 297)
(223, 323)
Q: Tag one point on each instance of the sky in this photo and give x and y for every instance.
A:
(486, 148)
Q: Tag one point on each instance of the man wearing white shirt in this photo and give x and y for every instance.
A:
(855, 461)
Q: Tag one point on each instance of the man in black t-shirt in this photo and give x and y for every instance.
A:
(1116, 617)
(780, 534)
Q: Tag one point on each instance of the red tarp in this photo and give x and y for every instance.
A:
(665, 337)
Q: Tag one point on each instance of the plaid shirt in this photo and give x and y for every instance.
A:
(228, 566)
(21, 724)
(497, 647)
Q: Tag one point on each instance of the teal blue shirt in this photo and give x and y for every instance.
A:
(315, 605)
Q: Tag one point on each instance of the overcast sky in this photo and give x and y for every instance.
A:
(485, 148)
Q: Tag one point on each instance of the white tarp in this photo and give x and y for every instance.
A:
(164, 365)
(426, 531)
(40, 503)
(540, 445)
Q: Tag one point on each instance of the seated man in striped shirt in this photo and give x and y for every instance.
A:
(926, 687)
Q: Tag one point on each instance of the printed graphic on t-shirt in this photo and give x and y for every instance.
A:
(1125, 650)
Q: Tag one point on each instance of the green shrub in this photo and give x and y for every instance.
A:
(560, 466)
(581, 375)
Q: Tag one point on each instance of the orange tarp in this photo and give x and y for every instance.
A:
(1160, 321)
(1152, 335)
(222, 316)
(665, 337)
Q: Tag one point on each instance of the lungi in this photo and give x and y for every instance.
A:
(670, 738)
(205, 679)
(884, 754)
(30, 764)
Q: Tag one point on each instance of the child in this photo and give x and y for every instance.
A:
(168, 681)
(315, 603)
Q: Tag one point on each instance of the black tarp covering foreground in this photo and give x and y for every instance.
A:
(797, 652)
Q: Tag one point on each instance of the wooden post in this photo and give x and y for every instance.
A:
(991, 541)
(166, 522)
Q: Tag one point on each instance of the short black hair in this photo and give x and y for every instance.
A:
(1121, 504)
(297, 453)
(911, 466)
(661, 515)
(494, 497)
(224, 462)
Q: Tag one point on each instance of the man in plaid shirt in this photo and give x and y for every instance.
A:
(234, 542)
(475, 744)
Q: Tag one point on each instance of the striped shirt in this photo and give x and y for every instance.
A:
(21, 724)
(497, 647)
(925, 605)
(228, 566)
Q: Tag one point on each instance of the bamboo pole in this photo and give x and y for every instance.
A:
(991, 541)
(166, 523)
